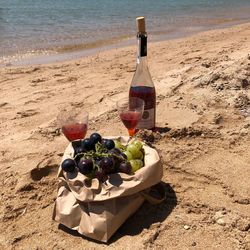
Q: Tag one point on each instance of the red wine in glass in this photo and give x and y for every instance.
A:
(74, 131)
(130, 119)
(130, 110)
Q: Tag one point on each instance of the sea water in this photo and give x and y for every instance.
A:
(29, 27)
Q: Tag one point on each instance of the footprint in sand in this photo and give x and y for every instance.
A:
(4, 105)
(22, 71)
(37, 174)
(38, 99)
(77, 104)
(46, 167)
(35, 82)
(58, 74)
(67, 79)
(26, 113)
(30, 101)
(38, 80)
(28, 182)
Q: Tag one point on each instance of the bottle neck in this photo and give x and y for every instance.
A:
(142, 48)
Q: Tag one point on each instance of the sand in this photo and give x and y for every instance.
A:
(203, 138)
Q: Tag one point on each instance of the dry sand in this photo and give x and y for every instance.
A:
(203, 115)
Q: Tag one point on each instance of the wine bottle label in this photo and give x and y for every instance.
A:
(148, 119)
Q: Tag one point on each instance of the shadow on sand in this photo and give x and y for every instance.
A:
(145, 216)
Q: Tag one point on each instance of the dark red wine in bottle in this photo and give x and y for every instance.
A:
(142, 85)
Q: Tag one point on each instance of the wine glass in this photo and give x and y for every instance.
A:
(74, 125)
(130, 110)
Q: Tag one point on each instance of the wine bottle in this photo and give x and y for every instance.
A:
(142, 85)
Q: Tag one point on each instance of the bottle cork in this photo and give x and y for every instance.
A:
(141, 24)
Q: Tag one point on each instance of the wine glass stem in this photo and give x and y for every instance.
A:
(131, 132)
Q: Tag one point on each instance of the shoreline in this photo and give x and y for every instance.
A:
(75, 52)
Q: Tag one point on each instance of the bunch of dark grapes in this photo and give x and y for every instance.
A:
(97, 157)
